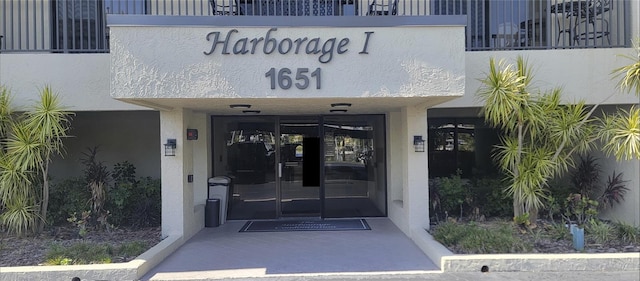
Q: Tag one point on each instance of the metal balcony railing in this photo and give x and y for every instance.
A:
(79, 26)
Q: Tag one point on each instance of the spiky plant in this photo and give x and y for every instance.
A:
(97, 176)
(586, 177)
(614, 191)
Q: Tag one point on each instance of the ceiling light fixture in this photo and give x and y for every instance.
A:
(240, 106)
(341, 104)
(338, 110)
(251, 111)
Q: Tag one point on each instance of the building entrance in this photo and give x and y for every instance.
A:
(302, 166)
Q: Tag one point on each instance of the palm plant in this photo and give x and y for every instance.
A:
(541, 134)
(30, 141)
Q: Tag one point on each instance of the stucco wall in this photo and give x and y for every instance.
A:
(120, 136)
(81, 80)
(581, 73)
(401, 62)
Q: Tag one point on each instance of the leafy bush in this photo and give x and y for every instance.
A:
(626, 232)
(558, 231)
(490, 198)
(80, 253)
(66, 198)
(20, 217)
(132, 202)
(92, 253)
(599, 231)
(471, 238)
(450, 195)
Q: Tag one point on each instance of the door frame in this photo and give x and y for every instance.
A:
(279, 165)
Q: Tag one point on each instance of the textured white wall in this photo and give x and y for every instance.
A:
(81, 80)
(168, 62)
(581, 73)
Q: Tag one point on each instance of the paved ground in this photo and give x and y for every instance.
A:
(499, 276)
(223, 252)
(381, 254)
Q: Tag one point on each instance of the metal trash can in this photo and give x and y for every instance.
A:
(218, 188)
(212, 213)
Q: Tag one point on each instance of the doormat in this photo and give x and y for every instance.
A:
(305, 225)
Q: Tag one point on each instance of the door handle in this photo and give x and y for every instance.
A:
(279, 170)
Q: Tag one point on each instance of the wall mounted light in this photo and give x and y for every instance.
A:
(341, 104)
(170, 147)
(240, 106)
(418, 143)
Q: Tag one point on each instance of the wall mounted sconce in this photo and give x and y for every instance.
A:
(341, 104)
(251, 111)
(418, 143)
(170, 147)
(240, 106)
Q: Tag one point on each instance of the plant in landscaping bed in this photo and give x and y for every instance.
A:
(490, 198)
(542, 133)
(580, 209)
(29, 141)
(600, 231)
(627, 233)
(614, 191)
(79, 253)
(558, 231)
(93, 253)
(97, 176)
(586, 177)
(471, 238)
(68, 196)
(453, 193)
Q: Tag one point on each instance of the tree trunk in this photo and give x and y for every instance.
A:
(517, 206)
(45, 196)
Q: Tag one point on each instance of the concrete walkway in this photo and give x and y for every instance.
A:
(223, 252)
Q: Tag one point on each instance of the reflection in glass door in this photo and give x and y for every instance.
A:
(244, 150)
(354, 166)
(281, 167)
(299, 167)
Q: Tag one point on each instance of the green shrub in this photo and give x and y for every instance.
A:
(66, 198)
(92, 253)
(558, 231)
(80, 253)
(601, 232)
(20, 217)
(471, 238)
(626, 232)
(450, 195)
(133, 202)
(491, 198)
(132, 249)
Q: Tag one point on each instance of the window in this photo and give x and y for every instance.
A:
(463, 144)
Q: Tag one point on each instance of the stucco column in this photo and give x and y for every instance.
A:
(416, 179)
(177, 193)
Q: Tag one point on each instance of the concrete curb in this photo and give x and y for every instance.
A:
(450, 262)
(132, 270)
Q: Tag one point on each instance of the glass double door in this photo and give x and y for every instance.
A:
(301, 166)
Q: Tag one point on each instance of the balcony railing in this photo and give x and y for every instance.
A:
(79, 26)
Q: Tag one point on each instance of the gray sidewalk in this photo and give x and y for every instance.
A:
(223, 252)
